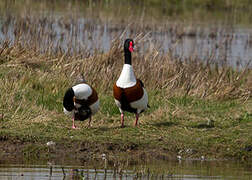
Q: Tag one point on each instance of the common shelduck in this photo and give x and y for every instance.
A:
(81, 102)
(129, 92)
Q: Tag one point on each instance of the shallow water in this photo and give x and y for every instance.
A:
(184, 170)
(215, 36)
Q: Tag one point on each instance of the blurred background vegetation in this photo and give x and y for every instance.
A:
(227, 11)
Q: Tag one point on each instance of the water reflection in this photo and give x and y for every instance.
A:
(186, 170)
(82, 35)
(78, 32)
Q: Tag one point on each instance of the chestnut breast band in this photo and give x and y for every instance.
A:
(131, 94)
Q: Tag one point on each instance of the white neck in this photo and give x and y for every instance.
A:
(127, 77)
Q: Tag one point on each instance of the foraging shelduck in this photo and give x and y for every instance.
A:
(81, 102)
(129, 92)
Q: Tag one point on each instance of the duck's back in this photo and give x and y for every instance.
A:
(82, 91)
(86, 94)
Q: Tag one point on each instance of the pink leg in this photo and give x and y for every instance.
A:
(73, 126)
(122, 120)
(137, 115)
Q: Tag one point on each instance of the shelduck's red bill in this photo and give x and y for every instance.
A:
(131, 48)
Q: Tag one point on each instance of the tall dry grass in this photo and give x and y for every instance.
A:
(190, 77)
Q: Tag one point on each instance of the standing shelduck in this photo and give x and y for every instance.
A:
(81, 102)
(129, 92)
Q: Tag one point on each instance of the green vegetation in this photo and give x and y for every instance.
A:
(195, 109)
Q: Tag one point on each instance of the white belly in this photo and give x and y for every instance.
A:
(141, 104)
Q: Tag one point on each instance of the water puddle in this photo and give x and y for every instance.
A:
(188, 170)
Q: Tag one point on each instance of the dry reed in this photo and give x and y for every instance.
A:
(188, 77)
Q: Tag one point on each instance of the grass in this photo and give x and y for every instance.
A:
(184, 97)
(197, 108)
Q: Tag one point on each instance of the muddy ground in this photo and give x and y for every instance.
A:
(77, 153)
